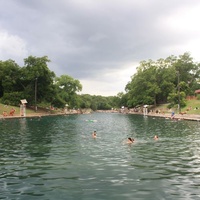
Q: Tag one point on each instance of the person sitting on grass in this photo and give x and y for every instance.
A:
(5, 113)
(12, 112)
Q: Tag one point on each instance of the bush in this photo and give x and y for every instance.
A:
(12, 98)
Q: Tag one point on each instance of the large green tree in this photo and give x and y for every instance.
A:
(37, 79)
(10, 89)
(67, 88)
(163, 80)
(144, 86)
(188, 73)
(9, 74)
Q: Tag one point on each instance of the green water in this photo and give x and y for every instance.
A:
(56, 158)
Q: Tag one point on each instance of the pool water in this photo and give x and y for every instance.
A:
(56, 157)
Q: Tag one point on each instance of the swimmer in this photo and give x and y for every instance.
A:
(155, 137)
(130, 140)
(94, 134)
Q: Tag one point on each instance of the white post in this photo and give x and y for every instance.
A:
(21, 110)
(24, 109)
(145, 110)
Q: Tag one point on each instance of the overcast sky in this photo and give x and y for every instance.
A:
(98, 42)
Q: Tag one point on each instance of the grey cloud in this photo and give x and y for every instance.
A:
(86, 38)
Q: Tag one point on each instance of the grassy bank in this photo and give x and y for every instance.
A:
(190, 107)
(7, 108)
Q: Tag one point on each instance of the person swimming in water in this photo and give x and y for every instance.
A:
(94, 134)
(155, 137)
(130, 140)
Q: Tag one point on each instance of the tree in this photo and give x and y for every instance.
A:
(9, 75)
(67, 88)
(188, 72)
(144, 88)
(162, 80)
(34, 74)
(85, 101)
(173, 99)
(165, 78)
(10, 90)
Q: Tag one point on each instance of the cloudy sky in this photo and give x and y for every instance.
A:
(98, 42)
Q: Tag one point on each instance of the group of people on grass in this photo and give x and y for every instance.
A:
(12, 111)
(129, 140)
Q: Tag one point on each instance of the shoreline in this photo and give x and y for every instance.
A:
(36, 115)
(189, 117)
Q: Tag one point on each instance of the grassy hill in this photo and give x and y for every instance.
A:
(190, 107)
(8, 108)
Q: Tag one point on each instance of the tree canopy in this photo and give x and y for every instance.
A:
(168, 80)
(164, 80)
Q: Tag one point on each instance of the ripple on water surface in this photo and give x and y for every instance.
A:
(56, 157)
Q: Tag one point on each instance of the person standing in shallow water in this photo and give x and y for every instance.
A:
(94, 134)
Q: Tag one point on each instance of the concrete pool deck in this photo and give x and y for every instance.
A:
(191, 117)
